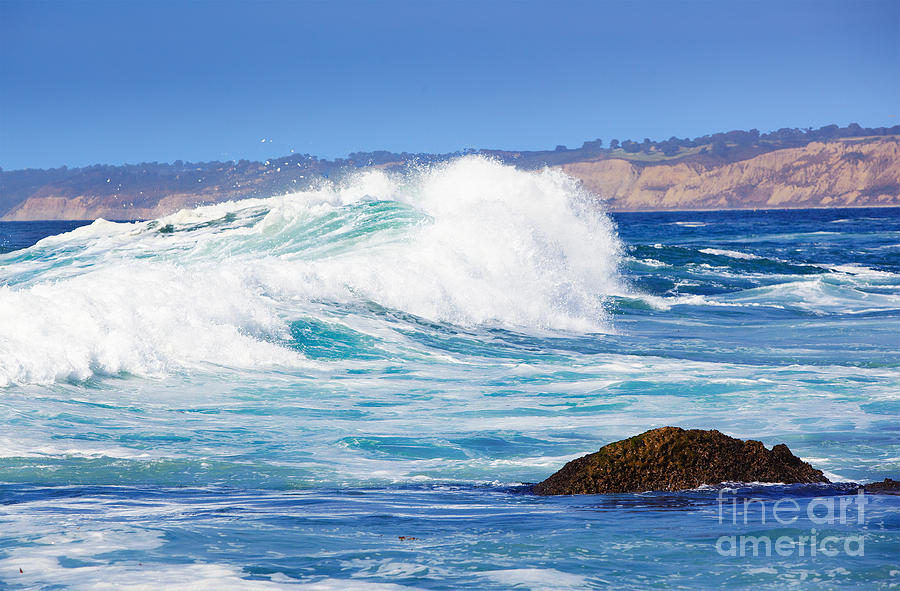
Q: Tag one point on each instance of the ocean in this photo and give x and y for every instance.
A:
(352, 387)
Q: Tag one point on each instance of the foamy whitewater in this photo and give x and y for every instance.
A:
(349, 387)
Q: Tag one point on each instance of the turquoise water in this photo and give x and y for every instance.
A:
(352, 387)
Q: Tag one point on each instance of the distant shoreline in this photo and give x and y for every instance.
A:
(86, 221)
(821, 207)
(742, 175)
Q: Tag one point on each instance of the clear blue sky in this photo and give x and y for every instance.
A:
(131, 81)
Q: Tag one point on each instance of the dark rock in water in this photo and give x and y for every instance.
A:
(888, 486)
(671, 458)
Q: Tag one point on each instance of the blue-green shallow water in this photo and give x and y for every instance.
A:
(270, 393)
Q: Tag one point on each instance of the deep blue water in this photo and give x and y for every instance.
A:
(352, 388)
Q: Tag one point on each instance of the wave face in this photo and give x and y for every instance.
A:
(470, 243)
(348, 388)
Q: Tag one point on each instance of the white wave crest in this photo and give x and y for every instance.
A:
(468, 242)
(734, 254)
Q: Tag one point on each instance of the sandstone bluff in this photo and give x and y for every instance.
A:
(671, 458)
(845, 172)
(833, 174)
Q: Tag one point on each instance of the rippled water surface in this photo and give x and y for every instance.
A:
(352, 387)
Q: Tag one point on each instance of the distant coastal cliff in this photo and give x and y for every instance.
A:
(734, 170)
(860, 173)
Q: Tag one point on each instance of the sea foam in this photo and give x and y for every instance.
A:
(469, 242)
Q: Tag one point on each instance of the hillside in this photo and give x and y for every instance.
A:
(789, 168)
(841, 173)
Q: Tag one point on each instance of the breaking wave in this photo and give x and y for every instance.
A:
(469, 243)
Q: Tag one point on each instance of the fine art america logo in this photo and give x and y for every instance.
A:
(825, 515)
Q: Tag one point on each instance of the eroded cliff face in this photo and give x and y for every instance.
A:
(835, 174)
(85, 207)
(840, 173)
(53, 202)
